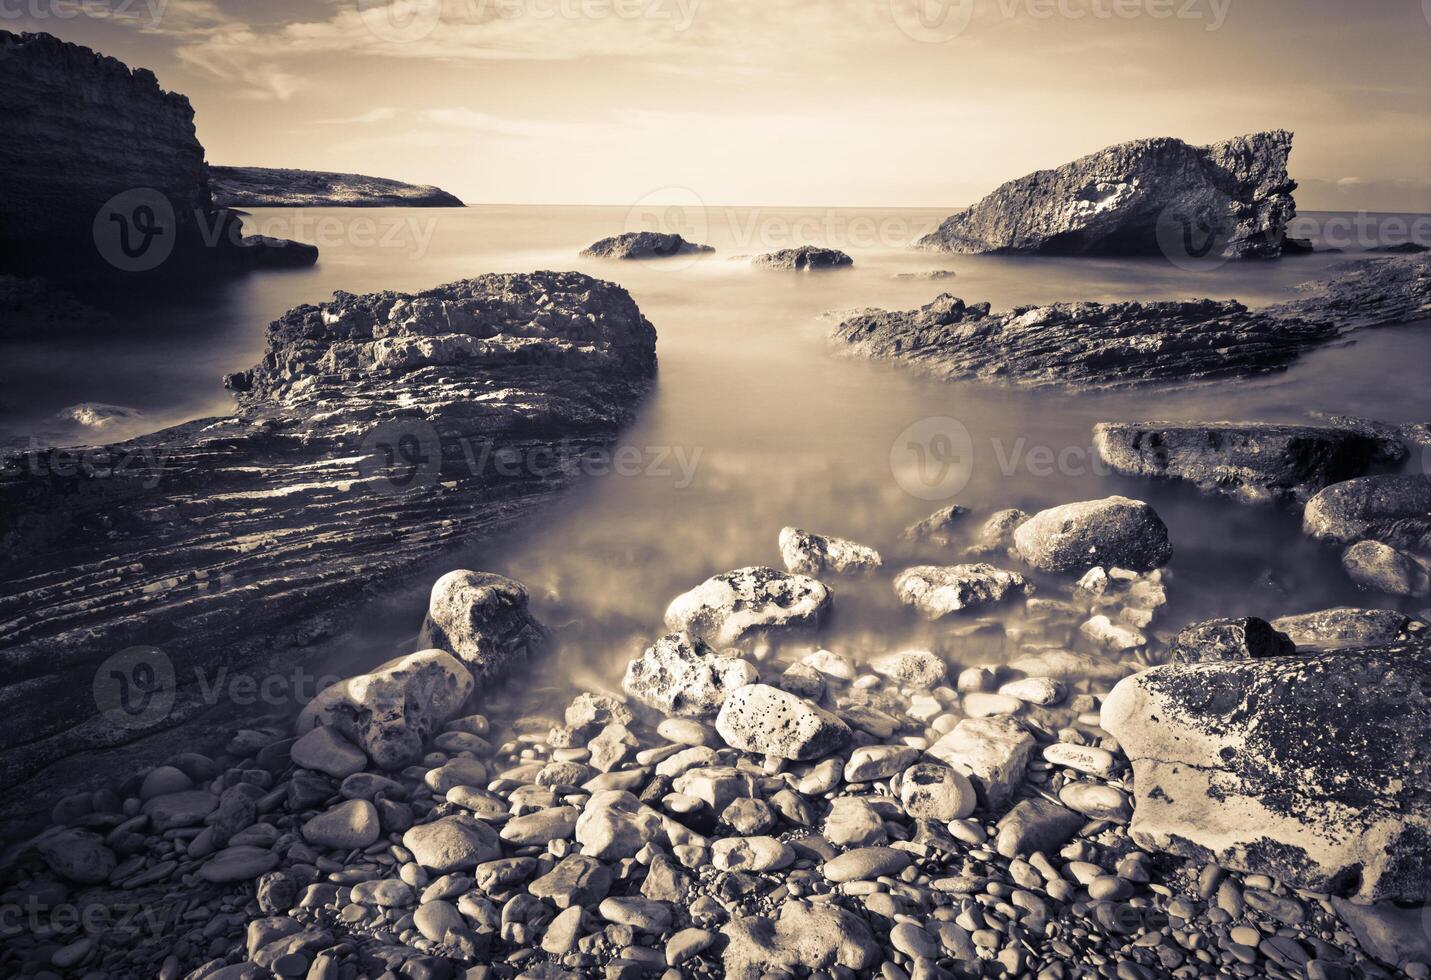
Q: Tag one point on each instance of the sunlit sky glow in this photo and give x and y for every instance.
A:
(802, 102)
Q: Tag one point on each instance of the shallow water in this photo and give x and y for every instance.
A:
(754, 425)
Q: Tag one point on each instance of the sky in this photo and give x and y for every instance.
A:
(777, 102)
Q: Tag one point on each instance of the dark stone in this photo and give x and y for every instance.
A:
(643, 245)
(1394, 510)
(803, 259)
(1229, 639)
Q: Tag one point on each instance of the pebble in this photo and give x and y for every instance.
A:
(751, 854)
(865, 863)
(932, 791)
(345, 826)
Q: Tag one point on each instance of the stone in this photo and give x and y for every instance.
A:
(941, 590)
(853, 822)
(991, 752)
(1250, 461)
(1309, 769)
(1394, 510)
(1088, 759)
(805, 553)
(1112, 531)
(866, 864)
(729, 607)
(766, 720)
(1389, 932)
(680, 675)
(392, 711)
(939, 528)
(482, 619)
(1097, 801)
(717, 786)
(1229, 639)
(452, 843)
(870, 762)
(1124, 199)
(803, 937)
(175, 810)
(1346, 627)
(614, 824)
(164, 779)
(241, 862)
(687, 944)
(79, 855)
(324, 750)
(1035, 825)
(1033, 690)
(917, 670)
(643, 245)
(384, 893)
(979, 704)
(577, 880)
(751, 854)
(805, 258)
(931, 791)
(461, 771)
(345, 826)
(1382, 568)
(542, 827)
(435, 919)
(1106, 633)
(564, 931)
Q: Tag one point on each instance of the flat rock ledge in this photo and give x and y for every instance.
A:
(1113, 345)
(364, 445)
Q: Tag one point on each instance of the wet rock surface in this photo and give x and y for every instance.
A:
(1114, 345)
(643, 245)
(1076, 537)
(806, 258)
(755, 600)
(1128, 198)
(1394, 510)
(248, 535)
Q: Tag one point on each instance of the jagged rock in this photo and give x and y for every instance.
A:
(1311, 769)
(1126, 198)
(1248, 460)
(803, 259)
(1394, 510)
(643, 245)
(681, 675)
(805, 553)
(257, 534)
(728, 607)
(1345, 628)
(1112, 345)
(1229, 639)
(991, 752)
(390, 712)
(86, 135)
(79, 855)
(1382, 568)
(816, 938)
(481, 619)
(766, 720)
(273, 187)
(1393, 442)
(997, 534)
(1114, 531)
(938, 528)
(939, 590)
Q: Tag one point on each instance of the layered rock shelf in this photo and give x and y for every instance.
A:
(377, 431)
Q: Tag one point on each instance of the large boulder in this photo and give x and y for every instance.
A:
(1313, 769)
(1127, 198)
(1251, 461)
(765, 720)
(482, 619)
(681, 675)
(822, 938)
(1395, 510)
(391, 712)
(1115, 531)
(642, 245)
(939, 590)
(726, 608)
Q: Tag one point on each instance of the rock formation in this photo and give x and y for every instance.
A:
(803, 259)
(643, 245)
(1108, 345)
(1234, 197)
(377, 431)
(104, 174)
(271, 187)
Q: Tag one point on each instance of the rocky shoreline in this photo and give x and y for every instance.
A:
(274, 187)
(753, 804)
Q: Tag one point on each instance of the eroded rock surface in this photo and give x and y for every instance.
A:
(681, 675)
(728, 607)
(1395, 510)
(803, 259)
(643, 245)
(483, 620)
(940, 590)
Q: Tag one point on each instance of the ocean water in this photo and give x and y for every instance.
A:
(754, 425)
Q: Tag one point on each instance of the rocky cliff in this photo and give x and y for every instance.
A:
(1145, 197)
(269, 187)
(104, 173)
(377, 432)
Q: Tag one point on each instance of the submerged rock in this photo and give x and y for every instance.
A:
(1114, 531)
(1346, 627)
(813, 554)
(1310, 769)
(643, 245)
(938, 528)
(681, 675)
(728, 607)
(803, 259)
(391, 711)
(1395, 510)
(1252, 461)
(481, 619)
(1124, 199)
(940, 590)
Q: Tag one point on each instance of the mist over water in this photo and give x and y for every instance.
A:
(753, 425)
